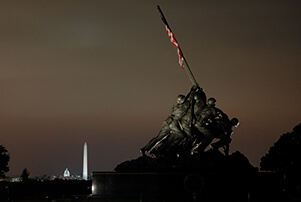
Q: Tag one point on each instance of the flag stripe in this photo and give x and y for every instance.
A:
(175, 43)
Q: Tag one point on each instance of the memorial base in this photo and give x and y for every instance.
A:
(210, 176)
(170, 186)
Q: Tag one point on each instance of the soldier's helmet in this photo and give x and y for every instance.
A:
(234, 122)
(200, 96)
(180, 99)
(211, 101)
(197, 97)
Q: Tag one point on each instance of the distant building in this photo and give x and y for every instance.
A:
(66, 173)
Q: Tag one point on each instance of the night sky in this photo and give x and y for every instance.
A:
(105, 73)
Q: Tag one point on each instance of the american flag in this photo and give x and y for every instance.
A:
(180, 53)
(175, 43)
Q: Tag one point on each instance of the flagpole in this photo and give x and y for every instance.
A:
(187, 69)
(189, 72)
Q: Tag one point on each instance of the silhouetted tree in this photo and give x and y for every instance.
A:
(4, 159)
(25, 175)
(285, 154)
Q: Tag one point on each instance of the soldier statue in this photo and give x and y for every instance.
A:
(191, 127)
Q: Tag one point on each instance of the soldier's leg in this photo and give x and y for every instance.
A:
(163, 132)
(197, 138)
(208, 137)
(223, 142)
(178, 134)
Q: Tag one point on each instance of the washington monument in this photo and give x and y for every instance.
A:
(85, 162)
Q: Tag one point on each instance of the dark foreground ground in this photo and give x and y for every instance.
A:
(45, 190)
(270, 188)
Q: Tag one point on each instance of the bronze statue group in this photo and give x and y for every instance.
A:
(191, 127)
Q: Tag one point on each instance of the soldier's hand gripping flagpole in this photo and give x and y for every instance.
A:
(173, 40)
